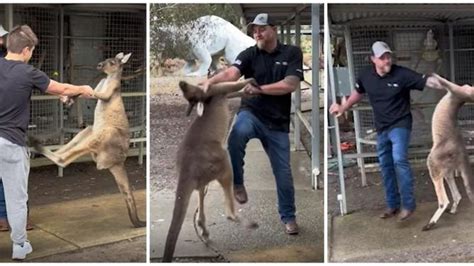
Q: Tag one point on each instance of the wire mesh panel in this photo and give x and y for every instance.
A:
(93, 36)
(44, 112)
(463, 35)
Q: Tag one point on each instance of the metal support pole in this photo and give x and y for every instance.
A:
(341, 197)
(282, 33)
(297, 94)
(452, 71)
(61, 79)
(141, 145)
(9, 17)
(288, 33)
(315, 125)
(350, 64)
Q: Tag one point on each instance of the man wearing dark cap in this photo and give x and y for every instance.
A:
(277, 68)
(388, 87)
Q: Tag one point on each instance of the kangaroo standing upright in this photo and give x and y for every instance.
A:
(107, 140)
(202, 156)
(448, 153)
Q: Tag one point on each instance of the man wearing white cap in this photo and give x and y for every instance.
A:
(277, 68)
(388, 88)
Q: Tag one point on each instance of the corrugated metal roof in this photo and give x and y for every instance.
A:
(281, 13)
(344, 13)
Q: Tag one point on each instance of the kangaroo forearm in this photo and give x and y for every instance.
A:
(227, 87)
(104, 95)
(465, 92)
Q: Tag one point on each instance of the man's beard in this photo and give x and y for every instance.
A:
(387, 68)
(261, 44)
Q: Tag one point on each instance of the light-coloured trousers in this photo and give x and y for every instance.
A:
(14, 170)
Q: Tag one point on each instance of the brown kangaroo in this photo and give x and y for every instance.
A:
(448, 153)
(202, 157)
(107, 140)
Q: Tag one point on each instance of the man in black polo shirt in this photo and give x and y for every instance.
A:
(277, 68)
(388, 87)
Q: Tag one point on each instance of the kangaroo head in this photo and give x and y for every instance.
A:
(113, 65)
(193, 94)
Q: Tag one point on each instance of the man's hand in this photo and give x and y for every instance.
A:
(67, 100)
(204, 85)
(251, 89)
(87, 92)
(336, 109)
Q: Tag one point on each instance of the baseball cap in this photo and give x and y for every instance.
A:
(261, 19)
(3, 32)
(379, 48)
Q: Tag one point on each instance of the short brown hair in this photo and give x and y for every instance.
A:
(20, 37)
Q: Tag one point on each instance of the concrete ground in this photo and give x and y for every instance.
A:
(77, 225)
(363, 237)
(236, 243)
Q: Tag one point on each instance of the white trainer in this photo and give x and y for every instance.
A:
(20, 251)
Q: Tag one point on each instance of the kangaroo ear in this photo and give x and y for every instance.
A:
(125, 58)
(119, 56)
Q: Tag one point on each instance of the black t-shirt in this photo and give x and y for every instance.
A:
(267, 68)
(390, 95)
(17, 81)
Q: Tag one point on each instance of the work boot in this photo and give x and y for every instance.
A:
(291, 228)
(405, 214)
(388, 213)
(240, 194)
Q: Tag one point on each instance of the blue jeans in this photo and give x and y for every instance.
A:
(277, 147)
(392, 150)
(3, 206)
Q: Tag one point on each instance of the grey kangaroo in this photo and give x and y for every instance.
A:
(202, 157)
(449, 152)
(107, 140)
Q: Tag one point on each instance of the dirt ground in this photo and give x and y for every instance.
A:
(80, 180)
(83, 180)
